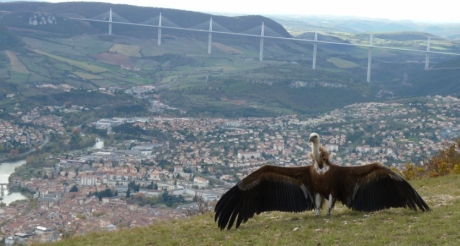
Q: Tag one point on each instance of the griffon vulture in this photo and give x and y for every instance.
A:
(366, 188)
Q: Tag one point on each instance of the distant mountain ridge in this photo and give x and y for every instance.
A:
(359, 25)
(135, 14)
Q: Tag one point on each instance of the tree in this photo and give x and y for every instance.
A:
(30, 159)
(75, 131)
(14, 152)
(447, 161)
(105, 193)
(74, 189)
(149, 186)
(68, 104)
(132, 186)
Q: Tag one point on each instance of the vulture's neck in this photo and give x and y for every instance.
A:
(316, 154)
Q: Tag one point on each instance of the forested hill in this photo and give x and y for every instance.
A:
(135, 14)
(8, 40)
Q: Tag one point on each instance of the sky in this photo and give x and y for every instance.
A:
(442, 11)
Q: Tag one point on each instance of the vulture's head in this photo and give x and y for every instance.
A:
(314, 138)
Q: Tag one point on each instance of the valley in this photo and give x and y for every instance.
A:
(180, 126)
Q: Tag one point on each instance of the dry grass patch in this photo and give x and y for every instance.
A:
(227, 49)
(118, 59)
(340, 63)
(238, 102)
(126, 49)
(16, 64)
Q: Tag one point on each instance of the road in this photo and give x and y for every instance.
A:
(33, 149)
(22, 155)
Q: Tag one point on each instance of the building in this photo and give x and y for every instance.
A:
(248, 155)
(200, 182)
(88, 180)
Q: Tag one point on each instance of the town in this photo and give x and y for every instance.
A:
(175, 167)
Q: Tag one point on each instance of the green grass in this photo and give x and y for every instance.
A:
(86, 75)
(84, 44)
(50, 46)
(17, 77)
(62, 66)
(32, 63)
(344, 227)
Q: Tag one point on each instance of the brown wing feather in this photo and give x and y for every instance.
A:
(374, 187)
(269, 188)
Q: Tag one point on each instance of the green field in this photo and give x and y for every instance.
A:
(83, 44)
(86, 75)
(18, 77)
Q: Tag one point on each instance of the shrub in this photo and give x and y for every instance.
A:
(446, 162)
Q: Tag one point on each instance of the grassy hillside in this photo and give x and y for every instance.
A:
(344, 227)
(274, 89)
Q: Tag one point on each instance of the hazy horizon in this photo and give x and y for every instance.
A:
(393, 10)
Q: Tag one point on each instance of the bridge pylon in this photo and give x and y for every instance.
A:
(427, 57)
(159, 30)
(262, 34)
(210, 36)
(314, 50)
(110, 21)
(369, 60)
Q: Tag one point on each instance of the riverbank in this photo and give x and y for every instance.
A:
(24, 155)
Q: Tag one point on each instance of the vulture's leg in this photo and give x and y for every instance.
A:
(330, 204)
(318, 201)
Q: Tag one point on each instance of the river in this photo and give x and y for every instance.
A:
(6, 169)
(98, 145)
